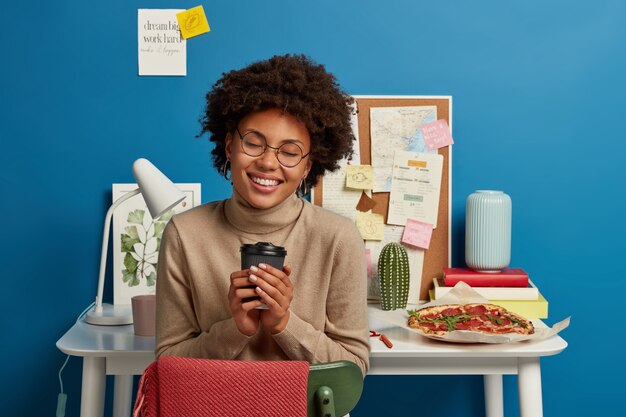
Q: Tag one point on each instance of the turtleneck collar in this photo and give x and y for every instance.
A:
(242, 216)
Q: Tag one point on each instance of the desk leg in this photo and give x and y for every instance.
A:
(94, 383)
(529, 387)
(123, 395)
(494, 403)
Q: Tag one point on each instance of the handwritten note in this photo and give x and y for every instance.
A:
(436, 134)
(415, 187)
(417, 233)
(360, 177)
(162, 50)
(336, 197)
(370, 225)
(193, 22)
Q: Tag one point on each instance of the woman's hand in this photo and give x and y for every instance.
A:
(245, 315)
(276, 291)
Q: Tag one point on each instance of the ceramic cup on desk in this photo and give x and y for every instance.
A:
(261, 252)
(144, 314)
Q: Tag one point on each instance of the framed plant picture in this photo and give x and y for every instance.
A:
(137, 239)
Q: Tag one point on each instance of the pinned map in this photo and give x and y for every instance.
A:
(396, 129)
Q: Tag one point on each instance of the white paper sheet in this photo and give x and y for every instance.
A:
(161, 48)
(415, 188)
(336, 197)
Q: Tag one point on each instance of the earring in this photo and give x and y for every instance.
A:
(302, 187)
(225, 169)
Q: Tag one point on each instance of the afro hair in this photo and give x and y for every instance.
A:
(296, 85)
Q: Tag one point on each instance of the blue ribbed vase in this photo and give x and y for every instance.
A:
(488, 231)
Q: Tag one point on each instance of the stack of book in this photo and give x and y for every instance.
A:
(510, 288)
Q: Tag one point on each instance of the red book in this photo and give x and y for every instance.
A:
(508, 277)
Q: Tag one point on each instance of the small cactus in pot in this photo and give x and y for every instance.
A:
(393, 271)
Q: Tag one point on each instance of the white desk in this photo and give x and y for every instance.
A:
(115, 350)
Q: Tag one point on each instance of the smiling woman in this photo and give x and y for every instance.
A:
(277, 125)
(264, 179)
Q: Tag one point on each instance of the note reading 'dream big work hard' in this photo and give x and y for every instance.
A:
(161, 49)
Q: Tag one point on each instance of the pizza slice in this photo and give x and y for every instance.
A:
(483, 318)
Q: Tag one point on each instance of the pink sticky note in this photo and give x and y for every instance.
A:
(436, 134)
(417, 233)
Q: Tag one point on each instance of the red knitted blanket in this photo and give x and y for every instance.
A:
(173, 386)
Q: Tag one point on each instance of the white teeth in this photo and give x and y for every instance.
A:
(264, 181)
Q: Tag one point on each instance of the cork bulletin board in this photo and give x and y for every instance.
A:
(437, 256)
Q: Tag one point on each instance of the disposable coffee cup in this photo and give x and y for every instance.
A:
(261, 252)
(144, 314)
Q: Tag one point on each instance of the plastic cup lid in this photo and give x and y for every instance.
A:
(263, 248)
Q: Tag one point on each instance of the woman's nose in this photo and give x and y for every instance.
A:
(269, 159)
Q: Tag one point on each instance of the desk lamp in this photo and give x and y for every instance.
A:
(160, 195)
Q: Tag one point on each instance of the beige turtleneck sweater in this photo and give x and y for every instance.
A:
(199, 251)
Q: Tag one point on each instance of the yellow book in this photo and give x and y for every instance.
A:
(531, 309)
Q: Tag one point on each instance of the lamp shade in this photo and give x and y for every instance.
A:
(159, 193)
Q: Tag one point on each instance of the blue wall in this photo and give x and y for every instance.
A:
(538, 93)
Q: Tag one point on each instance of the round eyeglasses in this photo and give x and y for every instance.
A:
(254, 143)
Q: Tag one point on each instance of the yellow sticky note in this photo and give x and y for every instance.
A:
(370, 225)
(193, 22)
(360, 177)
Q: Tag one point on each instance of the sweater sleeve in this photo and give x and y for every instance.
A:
(346, 334)
(178, 332)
